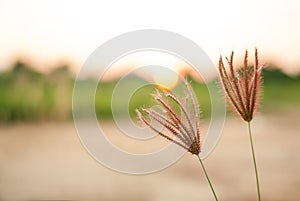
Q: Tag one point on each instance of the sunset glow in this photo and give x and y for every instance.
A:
(48, 32)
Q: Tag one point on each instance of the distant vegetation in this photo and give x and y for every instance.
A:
(27, 95)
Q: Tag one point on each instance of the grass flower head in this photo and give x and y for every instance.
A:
(242, 89)
(183, 131)
(242, 86)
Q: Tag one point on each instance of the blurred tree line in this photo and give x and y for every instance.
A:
(27, 95)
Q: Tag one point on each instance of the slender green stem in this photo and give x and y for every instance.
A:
(254, 161)
(211, 187)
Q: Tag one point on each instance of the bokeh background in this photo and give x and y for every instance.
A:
(43, 44)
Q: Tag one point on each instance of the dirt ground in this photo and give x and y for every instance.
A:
(46, 161)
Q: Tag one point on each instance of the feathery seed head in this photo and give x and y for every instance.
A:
(183, 131)
(242, 86)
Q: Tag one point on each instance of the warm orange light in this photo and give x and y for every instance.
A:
(165, 78)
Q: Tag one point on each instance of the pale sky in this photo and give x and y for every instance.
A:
(50, 32)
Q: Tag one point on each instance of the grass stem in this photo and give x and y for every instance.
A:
(254, 161)
(206, 175)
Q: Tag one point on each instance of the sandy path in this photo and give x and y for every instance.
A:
(47, 161)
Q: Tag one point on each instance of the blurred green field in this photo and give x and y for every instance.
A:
(27, 95)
